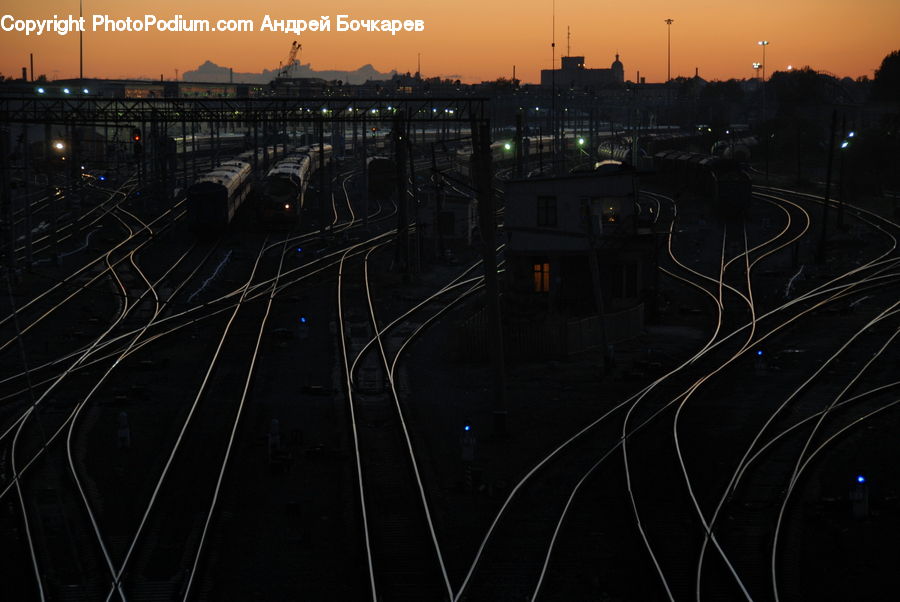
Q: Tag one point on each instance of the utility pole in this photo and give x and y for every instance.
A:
(365, 170)
(402, 246)
(438, 183)
(323, 193)
(415, 201)
(821, 254)
(669, 47)
(518, 143)
(6, 202)
(553, 93)
(597, 286)
(844, 144)
(765, 43)
(80, 44)
(483, 169)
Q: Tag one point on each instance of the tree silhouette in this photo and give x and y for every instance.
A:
(887, 79)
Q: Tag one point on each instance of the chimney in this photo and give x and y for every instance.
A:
(24, 74)
(696, 71)
(31, 63)
(639, 76)
(230, 75)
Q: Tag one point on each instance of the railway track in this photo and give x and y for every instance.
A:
(683, 582)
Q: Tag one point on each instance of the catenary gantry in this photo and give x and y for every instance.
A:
(88, 111)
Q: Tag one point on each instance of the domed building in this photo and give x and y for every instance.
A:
(573, 74)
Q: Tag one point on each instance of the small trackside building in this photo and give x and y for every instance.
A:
(570, 239)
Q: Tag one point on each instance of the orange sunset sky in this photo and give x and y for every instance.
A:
(475, 40)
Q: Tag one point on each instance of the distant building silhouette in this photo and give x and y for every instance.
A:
(573, 74)
(211, 72)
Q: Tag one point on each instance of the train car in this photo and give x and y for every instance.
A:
(718, 180)
(282, 196)
(265, 156)
(738, 149)
(315, 153)
(612, 151)
(734, 190)
(215, 197)
(381, 177)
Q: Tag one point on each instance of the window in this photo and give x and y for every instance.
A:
(546, 212)
(542, 277)
(611, 213)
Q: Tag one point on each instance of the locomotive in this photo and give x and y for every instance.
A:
(284, 189)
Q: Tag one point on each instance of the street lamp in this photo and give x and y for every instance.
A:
(80, 43)
(669, 48)
(757, 67)
(764, 43)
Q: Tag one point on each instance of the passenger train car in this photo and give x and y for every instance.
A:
(215, 197)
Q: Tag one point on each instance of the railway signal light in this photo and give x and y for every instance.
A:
(302, 328)
(136, 138)
(859, 497)
(467, 445)
(759, 353)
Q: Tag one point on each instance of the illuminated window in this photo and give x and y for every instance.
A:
(611, 213)
(546, 212)
(542, 277)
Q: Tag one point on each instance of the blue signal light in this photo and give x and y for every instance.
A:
(102, 178)
(303, 319)
(467, 428)
(759, 352)
(299, 249)
(860, 478)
